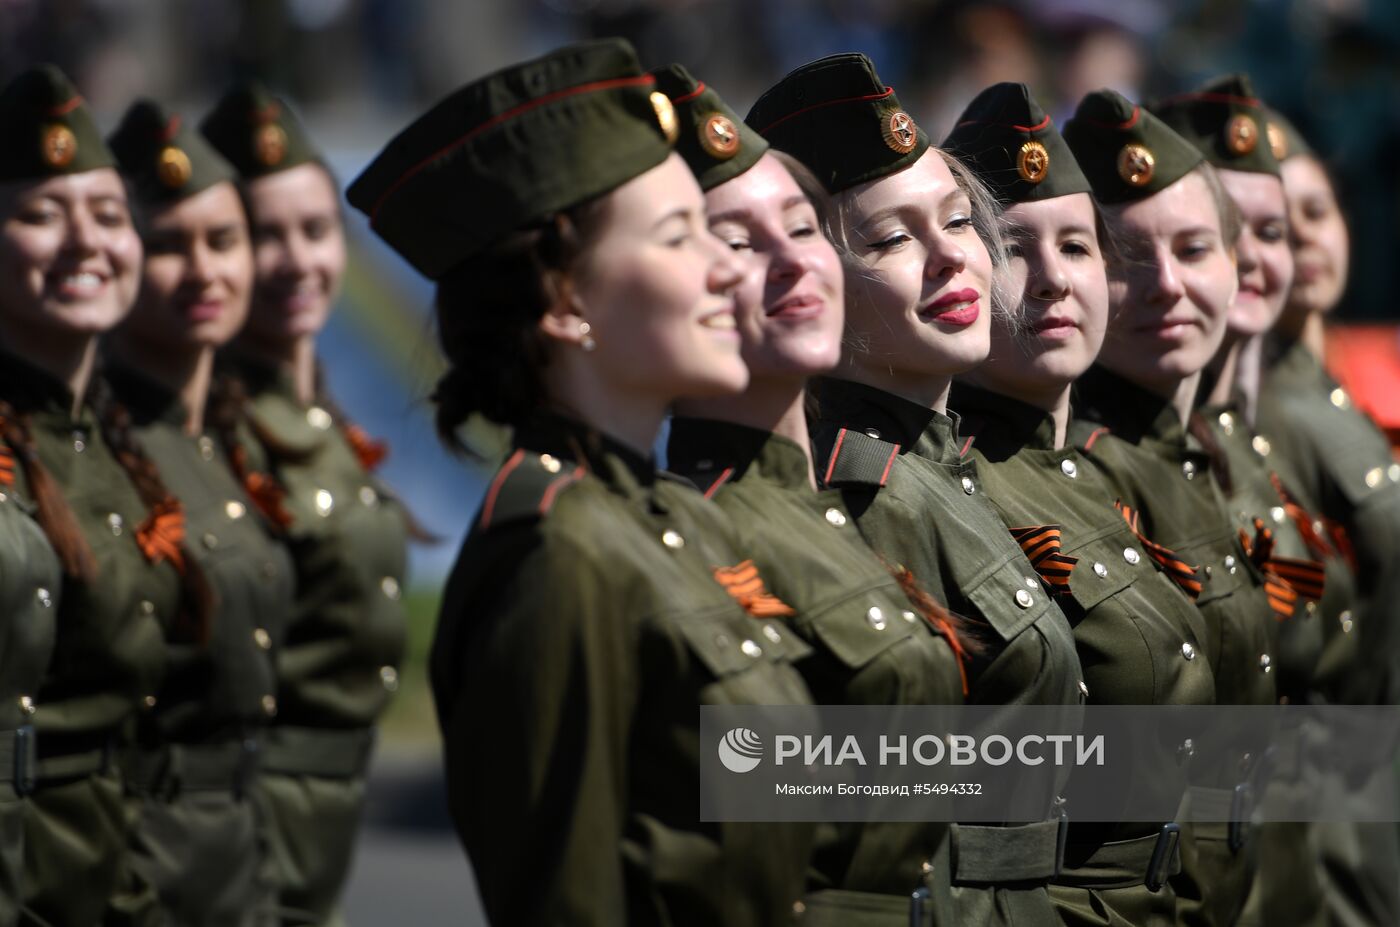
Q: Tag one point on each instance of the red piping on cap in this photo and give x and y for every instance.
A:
(497, 120)
(692, 95)
(978, 122)
(808, 109)
(64, 109)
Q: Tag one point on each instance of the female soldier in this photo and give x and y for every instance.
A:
(196, 840)
(339, 663)
(915, 228)
(1170, 292)
(873, 643)
(1130, 621)
(69, 259)
(593, 606)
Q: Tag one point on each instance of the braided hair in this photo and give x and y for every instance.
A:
(225, 411)
(54, 515)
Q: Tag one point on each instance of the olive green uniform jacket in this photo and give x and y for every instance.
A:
(109, 660)
(30, 579)
(581, 629)
(196, 841)
(870, 643)
(1137, 441)
(919, 504)
(339, 662)
(1137, 632)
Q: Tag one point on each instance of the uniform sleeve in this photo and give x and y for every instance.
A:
(535, 703)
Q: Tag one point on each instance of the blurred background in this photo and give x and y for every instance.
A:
(359, 70)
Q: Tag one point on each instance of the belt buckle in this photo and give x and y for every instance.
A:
(25, 759)
(1168, 839)
(916, 905)
(1241, 804)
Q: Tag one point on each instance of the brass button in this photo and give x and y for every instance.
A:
(751, 649)
(114, 522)
(1266, 663)
(209, 541)
(672, 539)
(1278, 514)
(147, 607)
(835, 517)
(876, 618)
(324, 502)
(1230, 563)
(1187, 749)
(550, 463)
(798, 909)
(1188, 651)
(368, 496)
(44, 597)
(1374, 477)
(1345, 619)
(1339, 398)
(269, 705)
(771, 633)
(206, 448)
(926, 867)
(1393, 471)
(1100, 571)
(390, 587)
(1188, 470)
(1310, 609)
(1068, 468)
(262, 638)
(1209, 571)
(318, 418)
(1083, 688)
(1317, 525)
(79, 445)
(149, 701)
(234, 509)
(1032, 583)
(909, 616)
(968, 486)
(1024, 598)
(1261, 445)
(390, 677)
(1227, 423)
(26, 705)
(872, 433)
(1131, 555)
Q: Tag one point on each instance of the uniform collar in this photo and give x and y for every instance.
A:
(608, 459)
(1289, 359)
(706, 444)
(147, 401)
(31, 389)
(886, 416)
(258, 375)
(1131, 412)
(1001, 426)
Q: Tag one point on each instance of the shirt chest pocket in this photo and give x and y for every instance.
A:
(1010, 600)
(861, 627)
(748, 658)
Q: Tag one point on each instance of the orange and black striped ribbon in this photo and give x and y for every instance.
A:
(1286, 579)
(1041, 544)
(161, 534)
(7, 466)
(264, 491)
(368, 451)
(1307, 525)
(746, 586)
(1179, 571)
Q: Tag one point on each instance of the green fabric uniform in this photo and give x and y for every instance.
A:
(28, 601)
(919, 503)
(1133, 625)
(338, 664)
(194, 767)
(579, 630)
(871, 645)
(1137, 441)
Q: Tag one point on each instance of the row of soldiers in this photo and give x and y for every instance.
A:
(1030, 417)
(200, 571)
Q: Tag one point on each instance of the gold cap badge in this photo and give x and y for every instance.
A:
(1033, 162)
(1241, 134)
(269, 144)
(173, 167)
(1136, 164)
(58, 146)
(665, 115)
(900, 132)
(1278, 141)
(719, 137)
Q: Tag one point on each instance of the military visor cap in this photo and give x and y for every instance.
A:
(714, 141)
(1009, 142)
(258, 133)
(165, 159)
(1225, 122)
(47, 128)
(510, 149)
(1126, 152)
(837, 117)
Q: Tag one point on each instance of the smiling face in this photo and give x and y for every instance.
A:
(1318, 236)
(299, 254)
(1262, 253)
(918, 286)
(1169, 299)
(197, 274)
(1056, 266)
(789, 305)
(655, 288)
(69, 256)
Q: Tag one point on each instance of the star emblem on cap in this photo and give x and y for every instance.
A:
(719, 137)
(1241, 135)
(270, 144)
(665, 116)
(1278, 141)
(1136, 164)
(173, 167)
(900, 132)
(1033, 162)
(58, 146)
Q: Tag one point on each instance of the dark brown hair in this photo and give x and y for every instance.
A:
(54, 515)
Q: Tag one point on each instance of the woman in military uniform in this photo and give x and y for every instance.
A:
(70, 259)
(593, 606)
(338, 664)
(872, 643)
(1171, 286)
(193, 769)
(916, 230)
(1132, 622)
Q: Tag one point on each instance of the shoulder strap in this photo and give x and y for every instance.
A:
(526, 486)
(859, 460)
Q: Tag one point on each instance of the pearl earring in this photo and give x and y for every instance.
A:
(586, 340)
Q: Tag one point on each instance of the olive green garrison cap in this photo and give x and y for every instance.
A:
(47, 128)
(1125, 151)
(714, 141)
(165, 159)
(1284, 138)
(1225, 121)
(1010, 143)
(507, 150)
(257, 132)
(837, 117)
